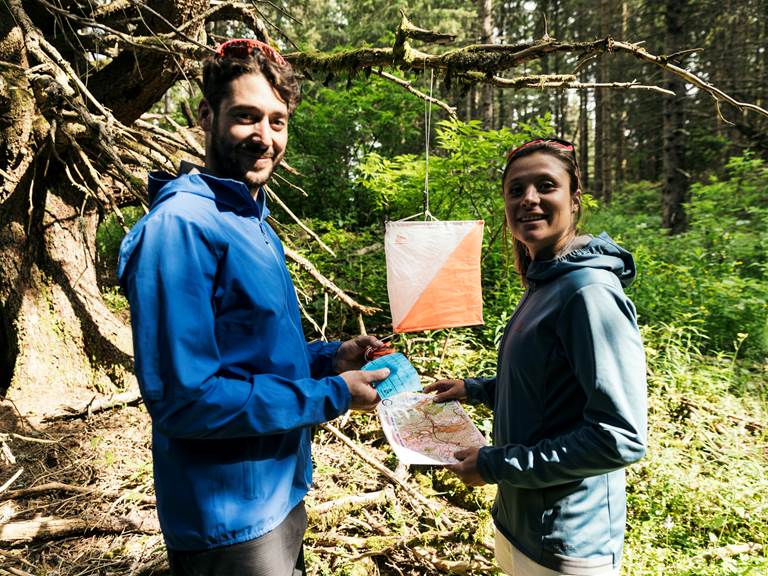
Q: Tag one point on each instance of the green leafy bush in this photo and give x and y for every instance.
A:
(716, 272)
(331, 132)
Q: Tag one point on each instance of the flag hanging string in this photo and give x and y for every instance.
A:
(427, 132)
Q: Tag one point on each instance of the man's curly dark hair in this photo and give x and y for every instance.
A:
(220, 71)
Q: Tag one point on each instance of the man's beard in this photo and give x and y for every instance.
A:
(223, 159)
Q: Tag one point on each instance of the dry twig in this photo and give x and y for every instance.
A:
(391, 476)
(61, 487)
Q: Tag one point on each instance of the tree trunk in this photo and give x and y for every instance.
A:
(65, 345)
(675, 180)
(59, 343)
(485, 11)
(584, 137)
(604, 114)
(598, 184)
(620, 114)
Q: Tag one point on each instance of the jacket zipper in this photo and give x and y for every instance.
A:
(530, 290)
(280, 266)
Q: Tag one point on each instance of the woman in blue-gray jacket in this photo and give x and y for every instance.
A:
(569, 396)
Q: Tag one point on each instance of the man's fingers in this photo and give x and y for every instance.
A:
(378, 375)
(364, 341)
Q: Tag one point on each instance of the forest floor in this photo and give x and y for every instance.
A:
(76, 495)
(83, 503)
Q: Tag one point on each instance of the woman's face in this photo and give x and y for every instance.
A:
(538, 202)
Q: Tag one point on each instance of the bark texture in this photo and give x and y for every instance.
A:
(59, 343)
(675, 179)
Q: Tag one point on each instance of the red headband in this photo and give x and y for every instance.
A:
(551, 142)
(243, 48)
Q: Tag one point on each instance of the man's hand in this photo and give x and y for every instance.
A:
(360, 384)
(349, 356)
(447, 390)
(466, 469)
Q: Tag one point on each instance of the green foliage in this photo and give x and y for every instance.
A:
(108, 238)
(332, 131)
(715, 274)
(702, 486)
(358, 267)
(464, 172)
(115, 301)
(319, 25)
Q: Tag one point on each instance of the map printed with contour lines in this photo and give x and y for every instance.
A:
(421, 431)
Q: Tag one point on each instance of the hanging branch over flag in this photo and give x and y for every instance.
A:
(60, 86)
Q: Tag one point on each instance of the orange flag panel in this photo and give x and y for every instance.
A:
(439, 284)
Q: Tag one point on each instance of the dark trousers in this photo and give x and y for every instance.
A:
(276, 553)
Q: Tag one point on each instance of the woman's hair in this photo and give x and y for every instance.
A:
(566, 153)
(219, 72)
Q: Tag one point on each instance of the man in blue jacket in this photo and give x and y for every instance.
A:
(225, 371)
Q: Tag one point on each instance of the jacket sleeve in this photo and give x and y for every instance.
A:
(167, 271)
(481, 390)
(599, 333)
(321, 357)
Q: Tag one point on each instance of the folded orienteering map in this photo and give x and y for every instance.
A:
(421, 431)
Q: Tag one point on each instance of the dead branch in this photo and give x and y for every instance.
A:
(407, 31)
(565, 81)
(362, 500)
(174, 139)
(452, 566)
(380, 543)
(285, 180)
(663, 62)
(391, 476)
(61, 487)
(376, 247)
(476, 63)
(751, 425)
(238, 11)
(14, 571)
(129, 398)
(10, 481)
(451, 110)
(732, 550)
(4, 437)
(308, 267)
(275, 198)
(6, 453)
(52, 528)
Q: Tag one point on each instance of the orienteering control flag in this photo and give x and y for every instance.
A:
(433, 274)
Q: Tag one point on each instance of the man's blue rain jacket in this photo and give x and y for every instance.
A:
(224, 369)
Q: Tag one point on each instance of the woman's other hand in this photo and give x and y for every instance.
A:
(447, 390)
(466, 468)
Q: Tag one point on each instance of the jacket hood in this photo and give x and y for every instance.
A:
(601, 252)
(232, 194)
